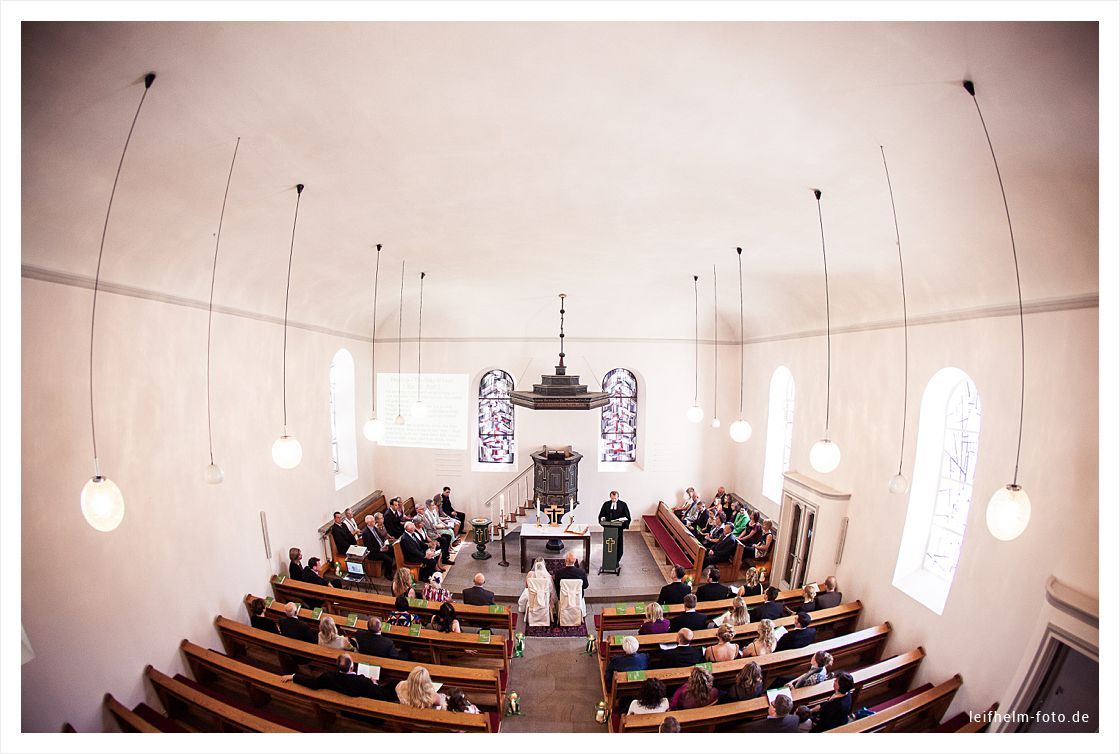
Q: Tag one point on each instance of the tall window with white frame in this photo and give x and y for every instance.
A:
(343, 419)
(779, 433)
(941, 494)
(618, 435)
(495, 418)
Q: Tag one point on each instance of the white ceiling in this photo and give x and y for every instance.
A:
(613, 161)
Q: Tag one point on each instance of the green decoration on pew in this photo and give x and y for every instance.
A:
(620, 608)
(591, 647)
(513, 704)
(268, 602)
(316, 613)
(484, 636)
(278, 579)
(497, 609)
(519, 644)
(635, 675)
(706, 665)
(414, 629)
(617, 639)
(352, 620)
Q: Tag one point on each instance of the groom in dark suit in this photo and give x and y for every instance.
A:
(616, 509)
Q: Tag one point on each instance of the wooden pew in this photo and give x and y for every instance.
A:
(675, 540)
(326, 709)
(483, 685)
(343, 601)
(917, 714)
(218, 717)
(829, 622)
(140, 719)
(872, 683)
(612, 620)
(435, 646)
(850, 650)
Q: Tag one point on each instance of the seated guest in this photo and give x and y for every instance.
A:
(457, 701)
(834, 711)
(699, 522)
(771, 608)
(673, 593)
(349, 521)
(257, 618)
(740, 519)
(714, 590)
(344, 679)
(295, 568)
(715, 518)
(630, 659)
(418, 691)
(402, 584)
(330, 637)
(373, 642)
(341, 534)
(752, 586)
(748, 684)
(376, 541)
(401, 615)
(444, 620)
(669, 724)
(779, 719)
(804, 718)
(434, 529)
(651, 698)
(691, 500)
(434, 591)
(571, 570)
(820, 670)
(753, 531)
(802, 636)
(689, 618)
(761, 551)
(721, 545)
(724, 501)
(698, 691)
(313, 574)
(765, 643)
(809, 599)
(444, 501)
(417, 549)
(830, 597)
(738, 615)
(656, 622)
(538, 571)
(477, 595)
(682, 655)
(292, 627)
(725, 649)
(394, 518)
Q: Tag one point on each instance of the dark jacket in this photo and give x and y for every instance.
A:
(295, 571)
(393, 523)
(673, 594)
(371, 540)
(695, 621)
(350, 684)
(570, 572)
(833, 713)
(829, 599)
(622, 512)
(624, 662)
(376, 645)
(787, 724)
(723, 551)
(414, 550)
(263, 623)
(445, 505)
(738, 694)
(797, 638)
(294, 628)
(311, 577)
(712, 592)
(771, 610)
(343, 539)
(681, 657)
(476, 595)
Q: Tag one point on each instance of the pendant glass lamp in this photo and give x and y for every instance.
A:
(824, 456)
(374, 429)
(1009, 510)
(695, 414)
(101, 499)
(899, 484)
(740, 429)
(419, 410)
(715, 349)
(286, 451)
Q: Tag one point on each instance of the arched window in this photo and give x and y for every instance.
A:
(779, 433)
(941, 492)
(495, 418)
(344, 441)
(618, 436)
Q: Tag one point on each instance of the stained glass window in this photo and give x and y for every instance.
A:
(495, 418)
(954, 492)
(619, 423)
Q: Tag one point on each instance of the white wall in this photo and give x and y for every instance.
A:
(187, 551)
(1000, 586)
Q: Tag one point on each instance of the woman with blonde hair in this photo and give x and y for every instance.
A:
(725, 650)
(402, 584)
(748, 684)
(699, 691)
(765, 642)
(752, 585)
(418, 691)
(656, 622)
(809, 595)
(330, 637)
(738, 615)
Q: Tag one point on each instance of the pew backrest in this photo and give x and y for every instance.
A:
(915, 715)
(224, 718)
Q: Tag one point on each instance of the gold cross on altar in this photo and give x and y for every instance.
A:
(554, 512)
(610, 544)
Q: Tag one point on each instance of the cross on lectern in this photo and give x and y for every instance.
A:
(554, 512)
(610, 544)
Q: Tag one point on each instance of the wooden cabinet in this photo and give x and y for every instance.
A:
(812, 526)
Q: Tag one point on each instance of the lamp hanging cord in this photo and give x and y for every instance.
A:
(148, 79)
(971, 89)
(715, 342)
(696, 340)
(287, 290)
(373, 346)
(905, 320)
(419, 333)
(739, 252)
(210, 308)
(827, 322)
(400, 334)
